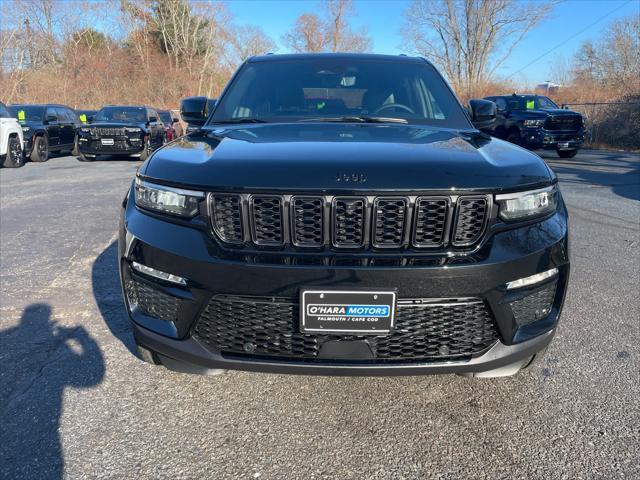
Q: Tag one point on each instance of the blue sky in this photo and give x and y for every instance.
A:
(384, 19)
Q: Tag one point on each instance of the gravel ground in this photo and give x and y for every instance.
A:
(76, 403)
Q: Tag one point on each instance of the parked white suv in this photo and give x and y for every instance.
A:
(10, 139)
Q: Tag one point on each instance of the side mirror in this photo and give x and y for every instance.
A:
(195, 110)
(51, 118)
(483, 113)
(175, 120)
(153, 119)
(89, 118)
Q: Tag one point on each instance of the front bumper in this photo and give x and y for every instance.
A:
(121, 146)
(192, 254)
(550, 139)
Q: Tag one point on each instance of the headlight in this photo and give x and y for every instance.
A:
(523, 205)
(132, 129)
(26, 129)
(85, 130)
(534, 123)
(175, 201)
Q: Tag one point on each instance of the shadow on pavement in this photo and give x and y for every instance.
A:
(38, 360)
(619, 171)
(105, 282)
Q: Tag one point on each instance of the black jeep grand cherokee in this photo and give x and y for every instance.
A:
(340, 214)
(135, 131)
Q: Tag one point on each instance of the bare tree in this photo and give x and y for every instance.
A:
(614, 61)
(329, 33)
(246, 41)
(470, 39)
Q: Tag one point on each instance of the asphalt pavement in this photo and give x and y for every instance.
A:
(75, 402)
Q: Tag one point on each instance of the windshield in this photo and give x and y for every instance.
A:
(121, 114)
(315, 88)
(530, 102)
(165, 116)
(27, 113)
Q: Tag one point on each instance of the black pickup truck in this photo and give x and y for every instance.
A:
(342, 214)
(534, 121)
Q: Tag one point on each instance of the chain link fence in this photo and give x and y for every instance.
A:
(611, 124)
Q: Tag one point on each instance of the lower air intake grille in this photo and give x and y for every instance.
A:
(536, 306)
(425, 331)
(152, 301)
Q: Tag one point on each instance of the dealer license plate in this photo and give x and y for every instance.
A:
(356, 312)
(563, 144)
(106, 141)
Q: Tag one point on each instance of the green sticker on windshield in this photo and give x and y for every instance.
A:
(83, 118)
(320, 105)
(531, 104)
(21, 116)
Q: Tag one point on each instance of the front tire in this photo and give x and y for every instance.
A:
(514, 137)
(76, 150)
(40, 151)
(567, 153)
(14, 157)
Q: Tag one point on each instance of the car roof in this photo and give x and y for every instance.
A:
(38, 105)
(128, 106)
(517, 95)
(355, 56)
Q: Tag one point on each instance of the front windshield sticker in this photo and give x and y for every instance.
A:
(83, 118)
(531, 104)
(21, 116)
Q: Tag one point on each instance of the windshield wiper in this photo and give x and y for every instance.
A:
(239, 120)
(356, 119)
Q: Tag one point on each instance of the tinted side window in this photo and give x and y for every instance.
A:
(62, 115)
(51, 112)
(501, 103)
(4, 113)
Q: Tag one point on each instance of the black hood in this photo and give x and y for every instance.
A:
(298, 157)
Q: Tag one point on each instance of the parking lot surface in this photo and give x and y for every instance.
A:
(75, 402)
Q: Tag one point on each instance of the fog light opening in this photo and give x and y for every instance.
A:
(533, 279)
(152, 272)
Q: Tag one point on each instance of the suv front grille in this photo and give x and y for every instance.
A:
(384, 222)
(426, 330)
(107, 131)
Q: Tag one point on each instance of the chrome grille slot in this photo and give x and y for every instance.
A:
(348, 221)
(307, 221)
(471, 219)
(389, 221)
(267, 219)
(430, 221)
